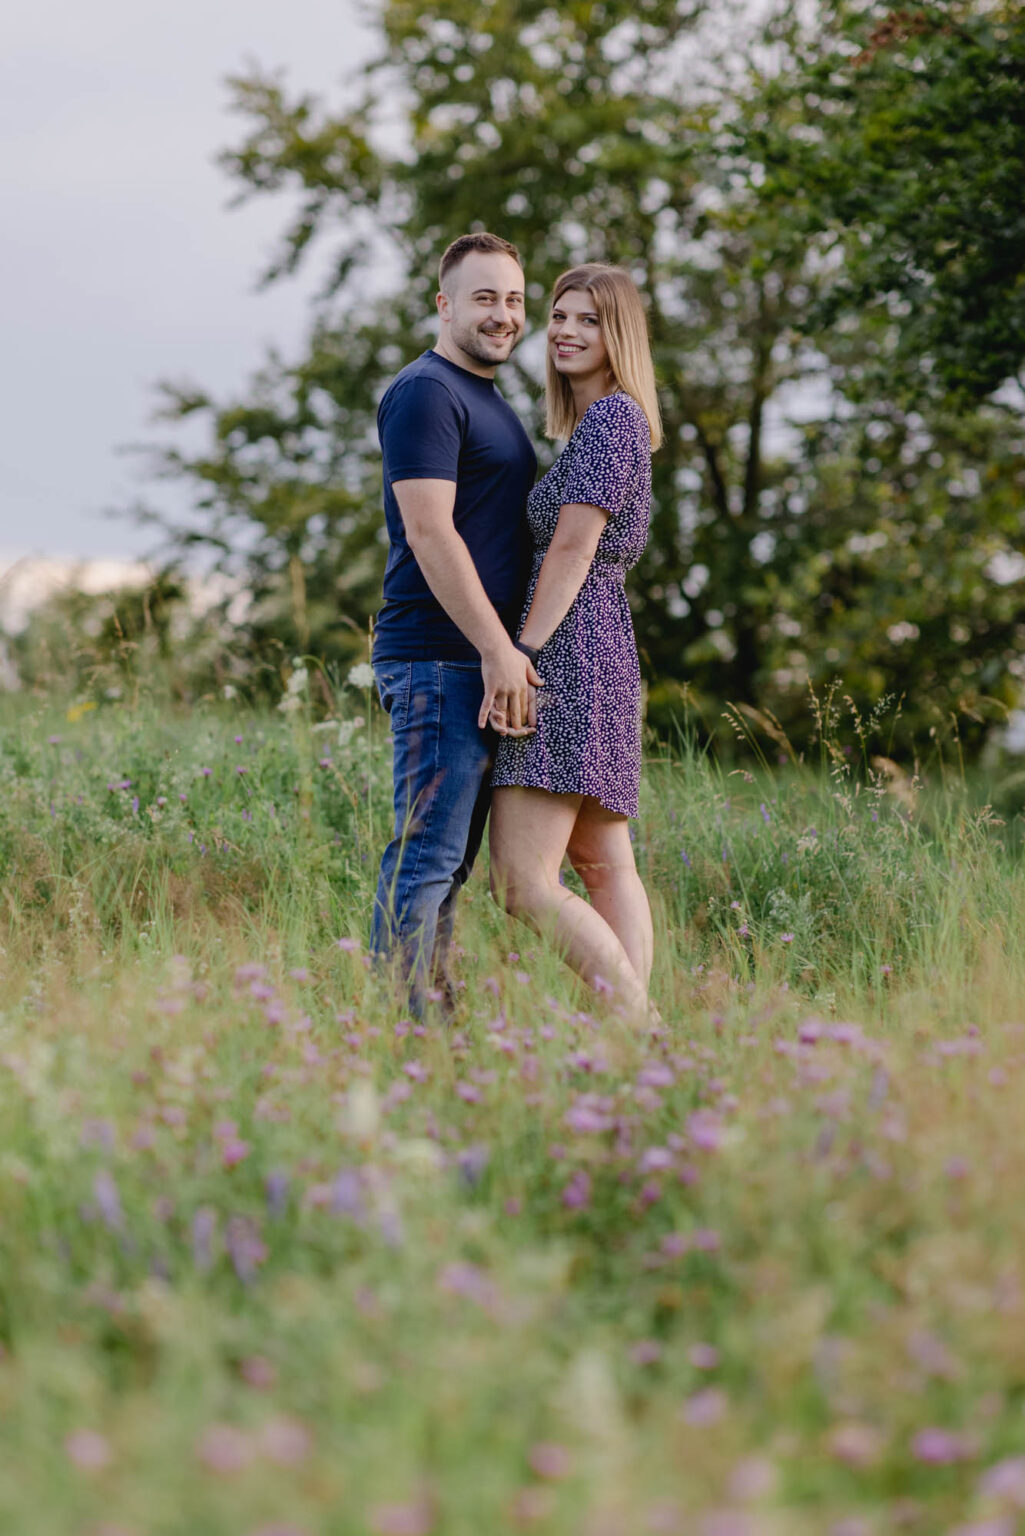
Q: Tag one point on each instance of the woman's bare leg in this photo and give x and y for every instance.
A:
(602, 854)
(530, 829)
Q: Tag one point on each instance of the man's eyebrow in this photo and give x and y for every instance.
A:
(514, 293)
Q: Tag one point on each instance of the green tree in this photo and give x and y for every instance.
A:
(777, 553)
(915, 167)
(571, 132)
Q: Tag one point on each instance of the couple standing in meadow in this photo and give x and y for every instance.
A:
(504, 651)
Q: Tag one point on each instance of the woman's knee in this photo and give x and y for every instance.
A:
(518, 891)
(597, 859)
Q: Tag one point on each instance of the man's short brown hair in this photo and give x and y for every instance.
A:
(479, 241)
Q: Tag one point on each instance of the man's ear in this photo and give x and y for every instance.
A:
(443, 302)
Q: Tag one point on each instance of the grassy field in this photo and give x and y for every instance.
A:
(274, 1261)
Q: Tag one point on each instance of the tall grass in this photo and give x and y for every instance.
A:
(275, 1259)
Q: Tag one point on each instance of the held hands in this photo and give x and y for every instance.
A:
(510, 693)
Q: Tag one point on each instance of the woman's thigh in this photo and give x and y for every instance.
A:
(600, 840)
(529, 832)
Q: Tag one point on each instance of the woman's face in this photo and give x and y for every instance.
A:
(575, 341)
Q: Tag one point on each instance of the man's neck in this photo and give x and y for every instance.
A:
(456, 355)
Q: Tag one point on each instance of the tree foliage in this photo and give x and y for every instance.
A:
(916, 165)
(812, 514)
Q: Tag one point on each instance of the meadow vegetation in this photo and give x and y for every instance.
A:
(276, 1259)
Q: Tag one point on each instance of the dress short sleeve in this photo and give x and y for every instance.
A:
(421, 429)
(613, 445)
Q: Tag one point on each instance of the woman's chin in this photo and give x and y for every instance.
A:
(570, 369)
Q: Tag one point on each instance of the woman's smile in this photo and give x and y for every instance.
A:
(575, 338)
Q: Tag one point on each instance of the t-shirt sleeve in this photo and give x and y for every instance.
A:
(610, 450)
(421, 429)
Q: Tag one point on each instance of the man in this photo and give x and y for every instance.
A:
(457, 469)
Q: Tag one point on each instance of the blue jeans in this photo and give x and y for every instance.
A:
(442, 794)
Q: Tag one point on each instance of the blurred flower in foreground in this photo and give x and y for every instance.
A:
(224, 1449)
(1005, 1481)
(550, 1460)
(88, 1450)
(402, 1519)
(704, 1407)
(361, 675)
(285, 1441)
(857, 1444)
(940, 1447)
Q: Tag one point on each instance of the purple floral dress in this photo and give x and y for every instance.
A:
(588, 739)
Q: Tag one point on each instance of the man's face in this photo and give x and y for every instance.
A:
(481, 307)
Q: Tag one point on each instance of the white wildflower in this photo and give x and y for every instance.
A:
(346, 731)
(360, 1116)
(229, 691)
(361, 675)
(294, 691)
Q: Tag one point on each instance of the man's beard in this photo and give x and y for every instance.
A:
(466, 339)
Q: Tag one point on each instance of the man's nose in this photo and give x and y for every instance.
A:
(503, 311)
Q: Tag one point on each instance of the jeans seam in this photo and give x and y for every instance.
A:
(433, 800)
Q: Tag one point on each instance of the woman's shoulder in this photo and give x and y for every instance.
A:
(617, 412)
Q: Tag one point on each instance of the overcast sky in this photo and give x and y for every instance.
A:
(120, 261)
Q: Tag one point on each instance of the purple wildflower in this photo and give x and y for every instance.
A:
(204, 1226)
(577, 1194)
(468, 1280)
(276, 1189)
(550, 1460)
(705, 1130)
(471, 1162)
(108, 1201)
(1005, 1482)
(347, 1195)
(703, 1357)
(940, 1447)
(246, 1248)
(705, 1407)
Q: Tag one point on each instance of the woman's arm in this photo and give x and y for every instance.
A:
(566, 563)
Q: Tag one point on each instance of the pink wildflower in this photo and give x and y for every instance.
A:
(703, 1357)
(856, 1444)
(549, 1460)
(88, 1450)
(577, 1193)
(1004, 1482)
(940, 1447)
(234, 1151)
(705, 1407)
(224, 1449)
(413, 1519)
(285, 1441)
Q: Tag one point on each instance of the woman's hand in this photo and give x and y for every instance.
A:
(498, 720)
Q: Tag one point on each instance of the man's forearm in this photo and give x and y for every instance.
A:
(450, 573)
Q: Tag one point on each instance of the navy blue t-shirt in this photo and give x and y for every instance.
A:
(440, 422)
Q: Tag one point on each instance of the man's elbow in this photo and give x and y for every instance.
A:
(422, 533)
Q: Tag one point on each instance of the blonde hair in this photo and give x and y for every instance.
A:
(625, 332)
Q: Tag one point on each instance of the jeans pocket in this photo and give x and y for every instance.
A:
(393, 687)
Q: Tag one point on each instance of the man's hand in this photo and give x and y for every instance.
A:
(509, 681)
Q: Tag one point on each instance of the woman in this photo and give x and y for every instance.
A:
(569, 787)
